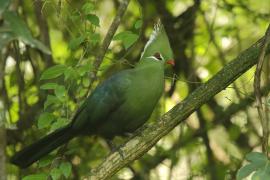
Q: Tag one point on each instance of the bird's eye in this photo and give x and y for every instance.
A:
(158, 56)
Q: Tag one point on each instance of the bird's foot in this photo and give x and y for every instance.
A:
(111, 145)
(128, 135)
(114, 148)
(121, 153)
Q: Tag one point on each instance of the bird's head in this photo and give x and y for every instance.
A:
(158, 45)
(158, 58)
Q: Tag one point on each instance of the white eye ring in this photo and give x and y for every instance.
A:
(158, 56)
(153, 57)
(157, 59)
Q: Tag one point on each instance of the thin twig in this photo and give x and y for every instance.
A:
(221, 54)
(256, 85)
(20, 78)
(223, 59)
(107, 40)
(44, 31)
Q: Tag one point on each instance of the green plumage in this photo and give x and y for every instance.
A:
(119, 105)
(158, 42)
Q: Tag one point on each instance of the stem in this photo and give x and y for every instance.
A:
(257, 83)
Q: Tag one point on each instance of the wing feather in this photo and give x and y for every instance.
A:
(104, 100)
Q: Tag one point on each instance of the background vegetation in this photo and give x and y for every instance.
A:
(52, 57)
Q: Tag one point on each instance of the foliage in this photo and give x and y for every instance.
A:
(127, 37)
(17, 29)
(48, 52)
(258, 163)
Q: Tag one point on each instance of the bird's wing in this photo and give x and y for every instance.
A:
(104, 100)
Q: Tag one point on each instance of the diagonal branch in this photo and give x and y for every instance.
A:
(107, 40)
(147, 136)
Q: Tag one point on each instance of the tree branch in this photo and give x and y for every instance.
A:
(107, 40)
(147, 136)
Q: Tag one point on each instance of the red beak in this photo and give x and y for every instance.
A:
(171, 62)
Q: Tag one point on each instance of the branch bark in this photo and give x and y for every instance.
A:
(147, 136)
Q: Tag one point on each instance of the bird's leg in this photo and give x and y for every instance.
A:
(111, 145)
(114, 148)
(128, 135)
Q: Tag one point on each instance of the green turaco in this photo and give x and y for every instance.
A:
(119, 105)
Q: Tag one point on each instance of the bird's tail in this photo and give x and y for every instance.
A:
(45, 145)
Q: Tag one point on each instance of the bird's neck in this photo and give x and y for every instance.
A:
(151, 69)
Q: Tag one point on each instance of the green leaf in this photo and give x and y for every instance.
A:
(259, 164)
(138, 24)
(70, 74)
(95, 38)
(88, 7)
(86, 82)
(121, 36)
(45, 161)
(92, 18)
(127, 37)
(5, 37)
(40, 176)
(39, 45)
(82, 92)
(48, 86)
(3, 6)
(60, 122)
(268, 99)
(66, 169)
(130, 40)
(75, 16)
(83, 69)
(55, 173)
(53, 72)
(258, 158)
(19, 28)
(51, 100)
(60, 92)
(245, 171)
(76, 42)
(261, 174)
(45, 120)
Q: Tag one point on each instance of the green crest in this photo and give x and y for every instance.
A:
(158, 42)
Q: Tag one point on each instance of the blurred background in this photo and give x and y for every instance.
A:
(60, 40)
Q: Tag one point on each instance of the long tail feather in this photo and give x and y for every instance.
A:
(45, 145)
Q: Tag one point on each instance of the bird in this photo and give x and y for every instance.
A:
(117, 106)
